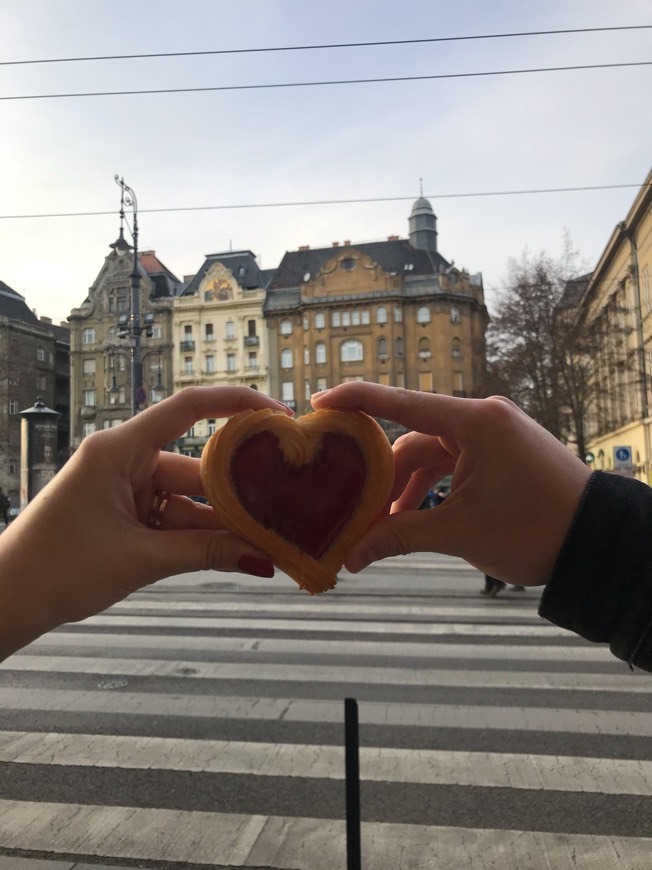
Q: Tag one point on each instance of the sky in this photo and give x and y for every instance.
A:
(202, 163)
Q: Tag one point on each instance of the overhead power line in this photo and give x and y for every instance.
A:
(234, 206)
(330, 45)
(270, 86)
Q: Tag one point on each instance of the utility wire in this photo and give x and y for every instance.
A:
(327, 45)
(270, 86)
(235, 206)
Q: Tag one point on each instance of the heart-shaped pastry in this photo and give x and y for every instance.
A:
(303, 490)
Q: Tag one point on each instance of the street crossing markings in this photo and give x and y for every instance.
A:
(300, 843)
(378, 764)
(380, 676)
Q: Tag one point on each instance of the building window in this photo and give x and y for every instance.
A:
(251, 328)
(286, 358)
(287, 391)
(88, 429)
(423, 314)
(188, 365)
(320, 352)
(456, 351)
(355, 318)
(351, 351)
(230, 362)
(383, 378)
(286, 327)
(306, 391)
(400, 379)
(335, 318)
(365, 317)
(230, 329)
(123, 305)
(425, 382)
(13, 406)
(88, 336)
(209, 334)
(306, 355)
(382, 348)
(89, 399)
(187, 332)
(424, 348)
(88, 367)
(455, 314)
(398, 314)
(458, 384)
(118, 398)
(252, 360)
(157, 331)
(346, 318)
(321, 384)
(399, 347)
(320, 320)
(41, 383)
(40, 354)
(350, 378)
(212, 427)
(210, 362)
(306, 322)
(381, 314)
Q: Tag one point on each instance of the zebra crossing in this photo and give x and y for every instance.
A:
(201, 722)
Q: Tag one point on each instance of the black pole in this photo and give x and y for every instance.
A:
(352, 768)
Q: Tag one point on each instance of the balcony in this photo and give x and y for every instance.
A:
(187, 345)
(251, 341)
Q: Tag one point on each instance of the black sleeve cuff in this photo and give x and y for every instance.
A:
(601, 587)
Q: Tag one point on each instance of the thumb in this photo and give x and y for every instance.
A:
(398, 535)
(182, 551)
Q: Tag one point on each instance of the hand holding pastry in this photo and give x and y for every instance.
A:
(515, 488)
(117, 517)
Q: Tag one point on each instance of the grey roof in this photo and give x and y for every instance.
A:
(241, 264)
(392, 256)
(574, 290)
(13, 306)
(422, 205)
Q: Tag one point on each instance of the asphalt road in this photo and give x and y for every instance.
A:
(200, 724)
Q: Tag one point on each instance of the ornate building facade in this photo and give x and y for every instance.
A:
(393, 312)
(220, 337)
(101, 354)
(617, 306)
(34, 362)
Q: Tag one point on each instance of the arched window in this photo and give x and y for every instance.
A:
(286, 358)
(456, 351)
(320, 352)
(423, 314)
(382, 348)
(399, 347)
(381, 314)
(424, 348)
(351, 351)
(230, 329)
(306, 355)
(320, 320)
(455, 314)
(286, 327)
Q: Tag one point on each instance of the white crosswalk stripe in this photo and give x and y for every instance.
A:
(206, 727)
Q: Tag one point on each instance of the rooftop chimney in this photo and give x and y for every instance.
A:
(304, 247)
(336, 244)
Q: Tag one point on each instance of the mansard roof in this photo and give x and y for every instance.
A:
(165, 282)
(394, 256)
(241, 264)
(14, 307)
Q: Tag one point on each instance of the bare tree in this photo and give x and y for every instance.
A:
(545, 356)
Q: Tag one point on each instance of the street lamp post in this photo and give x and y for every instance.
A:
(132, 327)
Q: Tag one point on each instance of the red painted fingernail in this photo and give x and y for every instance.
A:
(255, 566)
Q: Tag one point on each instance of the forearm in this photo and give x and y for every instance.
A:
(602, 584)
(26, 610)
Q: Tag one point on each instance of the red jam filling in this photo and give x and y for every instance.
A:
(307, 505)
